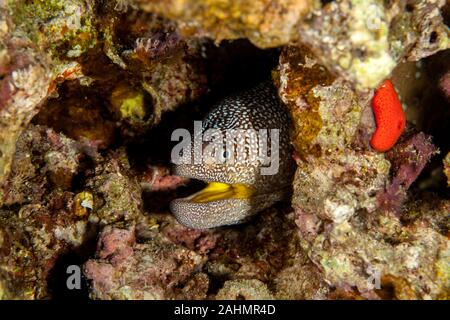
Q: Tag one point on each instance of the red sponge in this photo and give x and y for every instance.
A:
(389, 117)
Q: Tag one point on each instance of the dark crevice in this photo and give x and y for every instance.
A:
(158, 201)
(234, 66)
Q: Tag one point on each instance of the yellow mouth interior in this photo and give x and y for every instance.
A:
(220, 191)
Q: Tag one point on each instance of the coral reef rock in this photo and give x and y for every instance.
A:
(91, 92)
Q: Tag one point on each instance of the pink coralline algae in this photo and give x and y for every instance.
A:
(153, 269)
(407, 159)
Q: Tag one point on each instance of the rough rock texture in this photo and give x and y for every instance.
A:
(348, 199)
(413, 260)
(116, 194)
(44, 224)
(156, 69)
(24, 84)
(51, 215)
(130, 261)
(364, 40)
(265, 23)
(244, 289)
(333, 180)
(155, 269)
(360, 40)
(30, 62)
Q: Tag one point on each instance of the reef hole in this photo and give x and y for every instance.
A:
(57, 279)
(233, 66)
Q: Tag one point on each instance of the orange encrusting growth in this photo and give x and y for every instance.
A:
(389, 117)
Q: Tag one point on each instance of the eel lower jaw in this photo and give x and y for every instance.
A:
(216, 205)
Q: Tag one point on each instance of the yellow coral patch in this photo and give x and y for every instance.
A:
(83, 201)
(133, 107)
(129, 103)
(303, 74)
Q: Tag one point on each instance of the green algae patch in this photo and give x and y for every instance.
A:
(66, 28)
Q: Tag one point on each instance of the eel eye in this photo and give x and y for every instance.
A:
(224, 156)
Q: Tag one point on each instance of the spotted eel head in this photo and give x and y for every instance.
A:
(252, 168)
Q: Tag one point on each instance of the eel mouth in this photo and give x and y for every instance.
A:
(216, 205)
(215, 191)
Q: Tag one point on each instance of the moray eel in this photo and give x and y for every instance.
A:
(237, 191)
